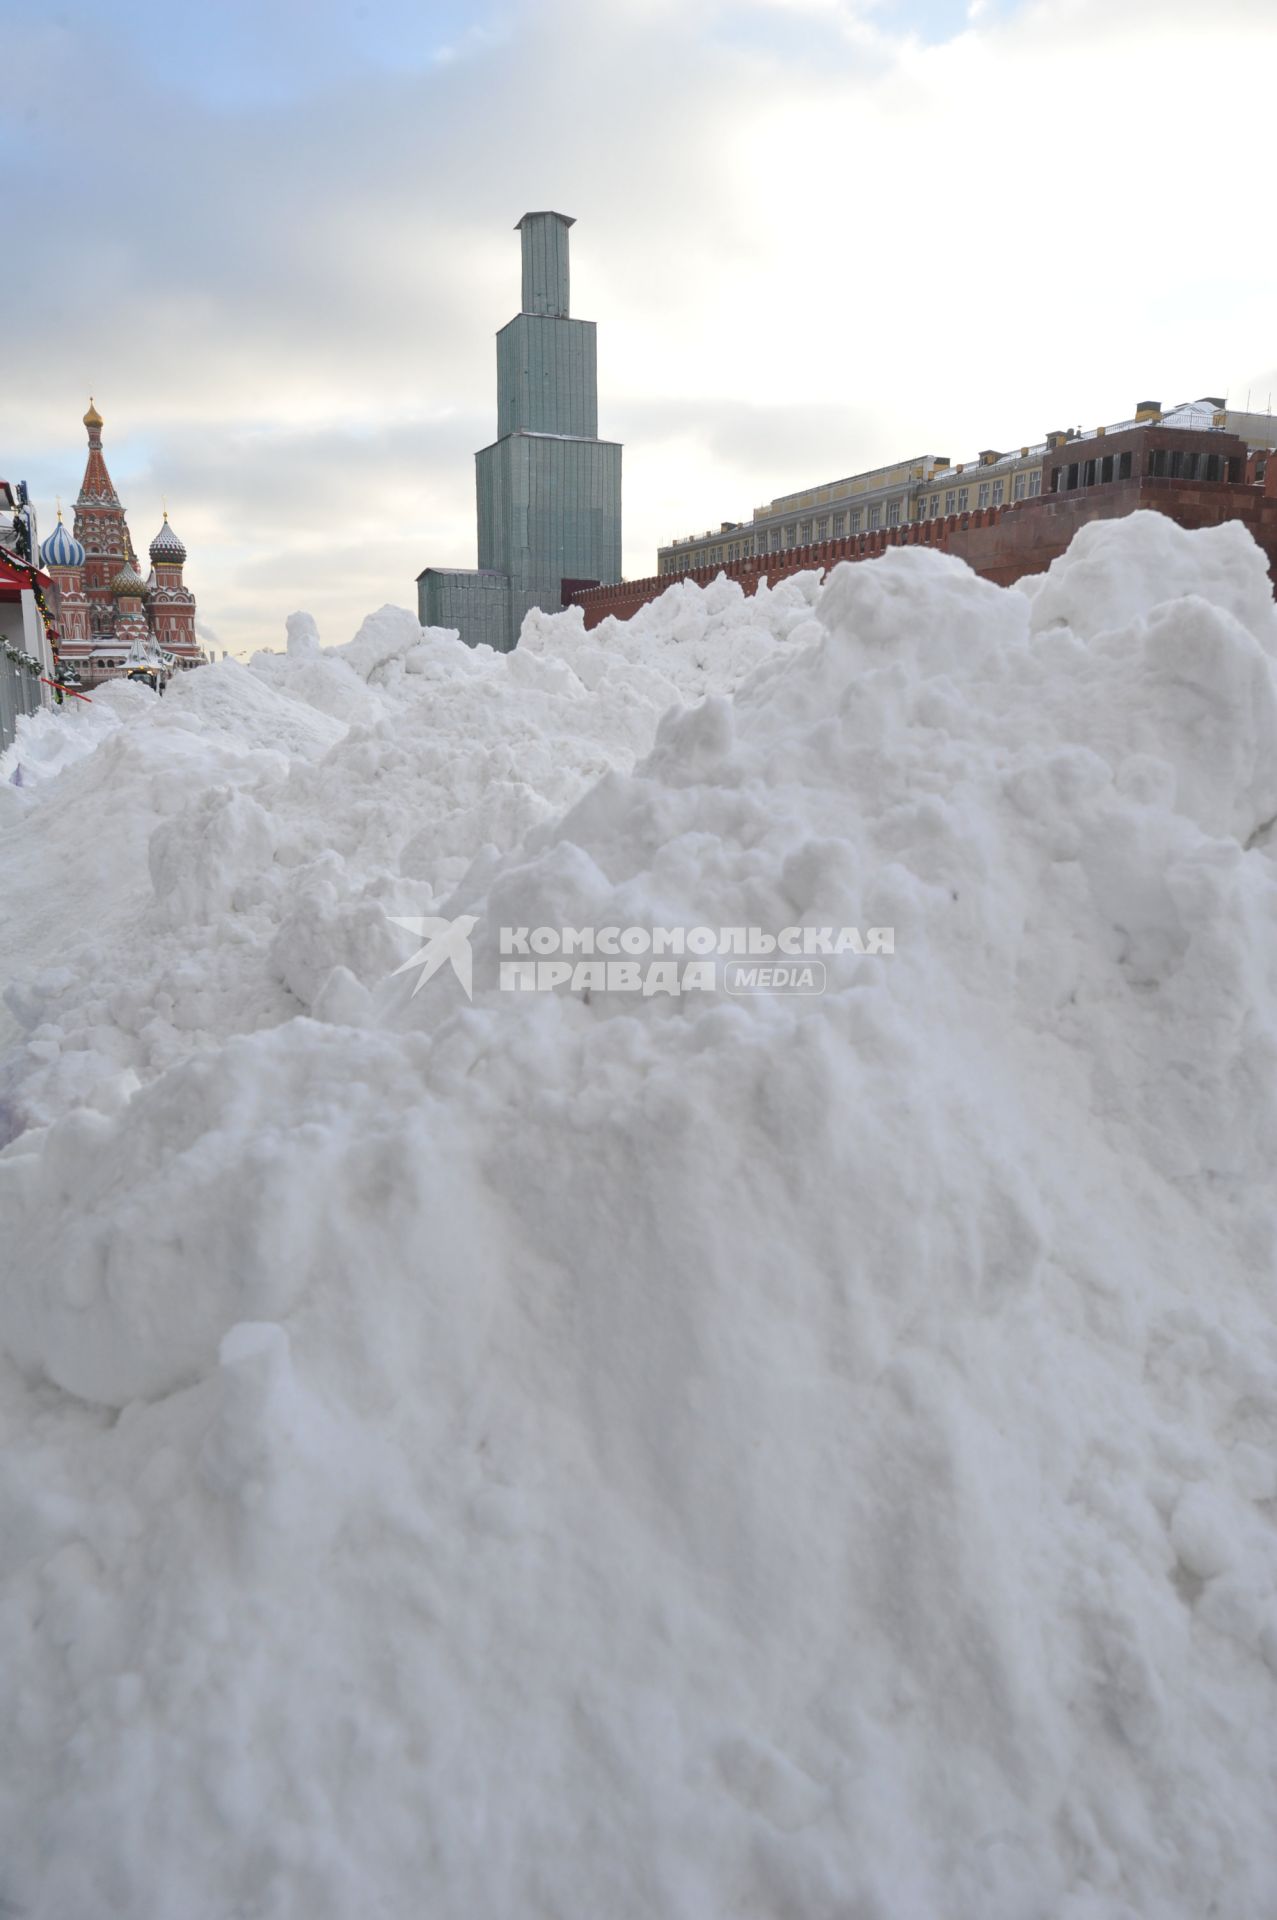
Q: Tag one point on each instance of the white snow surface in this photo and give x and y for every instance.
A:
(775, 1457)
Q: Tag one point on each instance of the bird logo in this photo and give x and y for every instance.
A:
(446, 940)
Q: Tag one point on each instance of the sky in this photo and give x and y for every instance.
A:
(274, 240)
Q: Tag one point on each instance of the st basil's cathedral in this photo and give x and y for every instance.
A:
(109, 619)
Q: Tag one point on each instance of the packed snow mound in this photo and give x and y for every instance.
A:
(1105, 581)
(579, 1453)
(48, 740)
(227, 698)
(234, 798)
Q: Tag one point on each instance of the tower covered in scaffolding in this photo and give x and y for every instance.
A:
(549, 490)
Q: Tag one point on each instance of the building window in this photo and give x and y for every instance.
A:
(774, 539)
(998, 492)
(964, 494)
(855, 521)
(1035, 480)
(804, 534)
(950, 501)
(935, 505)
(893, 513)
(791, 536)
(840, 526)
(875, 519)
(1018, 485)
(982, 494)
(822, 529)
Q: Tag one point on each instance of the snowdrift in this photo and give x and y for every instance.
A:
(720, 1455)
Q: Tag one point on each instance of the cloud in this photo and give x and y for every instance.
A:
(815, 238)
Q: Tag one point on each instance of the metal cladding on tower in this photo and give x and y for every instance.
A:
(549, 490)
(546, 278)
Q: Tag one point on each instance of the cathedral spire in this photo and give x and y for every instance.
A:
(97, 488)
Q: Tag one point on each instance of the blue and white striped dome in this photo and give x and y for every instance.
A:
(61, 549)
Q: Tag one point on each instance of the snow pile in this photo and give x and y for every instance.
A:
(51, 738)
(241, 850)
(759, 1455)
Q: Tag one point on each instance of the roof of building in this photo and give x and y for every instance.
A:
(470, 573)
(1192, 415)
(62, 549)
(127, 581)
(1197, 416)
(17, 575)
(166, 546)
(547, 213)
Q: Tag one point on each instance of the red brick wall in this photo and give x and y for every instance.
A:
(1000, 543)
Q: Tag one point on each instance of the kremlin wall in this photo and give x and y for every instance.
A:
(1183, 465)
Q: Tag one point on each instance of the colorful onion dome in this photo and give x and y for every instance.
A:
(61, 549)
(166, 549)
(128, 581)
(92, 418)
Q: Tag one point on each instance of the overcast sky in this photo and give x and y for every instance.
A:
(273, 238)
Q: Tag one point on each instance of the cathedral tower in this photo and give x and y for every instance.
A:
(100, 529)
(63, 558)
(171, 605)
(128, 592)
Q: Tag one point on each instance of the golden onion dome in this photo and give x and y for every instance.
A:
(92, 418)
(128, 581)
